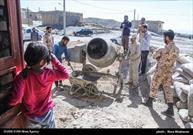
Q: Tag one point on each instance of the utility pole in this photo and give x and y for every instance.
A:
(64, 14)
(134, 14)
(27, 15)
(134, 19)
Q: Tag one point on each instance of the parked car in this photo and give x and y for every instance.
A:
(83, 32)
(27, 33)
(116, 40)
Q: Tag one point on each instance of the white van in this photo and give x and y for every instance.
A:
(27, 33)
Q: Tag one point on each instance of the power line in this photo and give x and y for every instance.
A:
(107, 9)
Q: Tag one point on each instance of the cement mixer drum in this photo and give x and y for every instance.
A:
(99, 53)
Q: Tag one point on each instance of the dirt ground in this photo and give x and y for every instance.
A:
(108, 112)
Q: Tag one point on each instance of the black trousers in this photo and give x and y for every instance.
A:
(56, 83)
(144, 55)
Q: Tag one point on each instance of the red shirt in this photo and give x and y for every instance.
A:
(34, 92)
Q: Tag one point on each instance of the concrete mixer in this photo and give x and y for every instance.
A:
(99, 54)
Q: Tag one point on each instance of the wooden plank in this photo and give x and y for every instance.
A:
(13, 118)
(7, 78)
(4, 93)
(3, 26)
(15, 33)
(12, 69)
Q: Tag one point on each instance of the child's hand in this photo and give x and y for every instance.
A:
(53, 57)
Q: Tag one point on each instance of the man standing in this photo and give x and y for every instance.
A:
(34, 35)
(59, 49)
(142, 22)
(125, 25)
(134, 60)
(144, 40)
(48, 39)
(166, 58)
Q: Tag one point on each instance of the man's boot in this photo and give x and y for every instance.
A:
(149, 102)
(170, 111)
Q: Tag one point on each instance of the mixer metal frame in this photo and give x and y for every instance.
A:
(81, 87)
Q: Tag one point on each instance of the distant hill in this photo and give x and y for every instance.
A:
(110, 23)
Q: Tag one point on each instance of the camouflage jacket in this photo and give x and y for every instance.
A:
(166, 57)
(48, 40)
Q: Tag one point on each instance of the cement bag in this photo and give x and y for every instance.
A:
(180, 79)
(184, 59)
(190, 101)
(188, 68)
(181, 95)
(183, 113)
(185, 88)
(174, 92)
(182, 105)
(179, 70)
(185, 75)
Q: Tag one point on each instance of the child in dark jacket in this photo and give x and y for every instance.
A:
(32, 87)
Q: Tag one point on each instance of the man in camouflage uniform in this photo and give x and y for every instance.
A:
(48, 39)
(166, 58)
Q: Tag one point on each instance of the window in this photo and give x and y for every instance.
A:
(28, 31)
(5, 44)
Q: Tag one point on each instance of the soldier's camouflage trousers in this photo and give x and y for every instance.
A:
(166, 80)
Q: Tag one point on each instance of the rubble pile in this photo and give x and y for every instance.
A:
(182, 86)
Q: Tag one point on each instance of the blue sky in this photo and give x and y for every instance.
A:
(176, 14)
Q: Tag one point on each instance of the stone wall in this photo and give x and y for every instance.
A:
(55, 18)
(154, 26)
